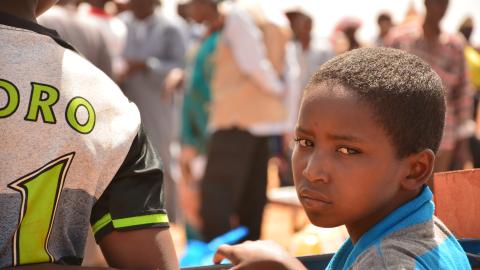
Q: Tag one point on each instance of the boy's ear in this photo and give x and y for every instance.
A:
(420, 168)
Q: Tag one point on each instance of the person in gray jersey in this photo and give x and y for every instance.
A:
(73, 152)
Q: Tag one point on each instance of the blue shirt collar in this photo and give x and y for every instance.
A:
(416, 211)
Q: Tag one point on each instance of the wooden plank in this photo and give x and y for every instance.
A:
(457, 201)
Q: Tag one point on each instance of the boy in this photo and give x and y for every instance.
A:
(73, 151)
(369, 125)
(250, 61)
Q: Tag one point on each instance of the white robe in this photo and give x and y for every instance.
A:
(160, 43)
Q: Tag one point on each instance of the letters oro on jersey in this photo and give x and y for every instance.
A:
(42, 99)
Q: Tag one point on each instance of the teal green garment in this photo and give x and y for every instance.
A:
(197, 96)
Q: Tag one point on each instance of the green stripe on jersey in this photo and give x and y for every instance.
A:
(129, 222)
(104, 221)
(140, 220)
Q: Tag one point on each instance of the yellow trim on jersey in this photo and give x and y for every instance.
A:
(104, 221)
(140, 220)
(129, 222)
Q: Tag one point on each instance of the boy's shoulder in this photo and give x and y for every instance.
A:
(428, 245)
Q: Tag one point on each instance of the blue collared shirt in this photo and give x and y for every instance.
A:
(408, 238)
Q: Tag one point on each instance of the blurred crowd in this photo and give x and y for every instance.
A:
(219, 87)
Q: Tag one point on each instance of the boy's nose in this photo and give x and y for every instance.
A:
(315, 169)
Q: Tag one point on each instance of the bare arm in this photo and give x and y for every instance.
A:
(129, 220)
(150, 248)
(246, 42)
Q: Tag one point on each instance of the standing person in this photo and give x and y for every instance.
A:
(113, 30)
(153, 48)
(344, 37)
(246, 108)
(193, 32)
(384, 22)
(194, 133)
(444, 52)
(85, 36)
(310, 57)
(73, 153)
(472, 57)
(370, 123)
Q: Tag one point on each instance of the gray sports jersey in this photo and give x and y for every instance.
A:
(70, 142)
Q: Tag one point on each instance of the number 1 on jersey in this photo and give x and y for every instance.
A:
(40, 192)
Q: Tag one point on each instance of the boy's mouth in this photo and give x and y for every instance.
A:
(313, 197)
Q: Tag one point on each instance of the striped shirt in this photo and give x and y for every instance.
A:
(447, 59)
(408, 238)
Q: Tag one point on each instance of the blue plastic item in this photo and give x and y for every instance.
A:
(199, 253)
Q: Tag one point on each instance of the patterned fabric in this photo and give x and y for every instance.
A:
(408, 238)
(447, 59)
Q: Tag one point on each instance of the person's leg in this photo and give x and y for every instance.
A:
(281, 155)
(251, 206)
(474, 141)
(228, 163)
(475, 148)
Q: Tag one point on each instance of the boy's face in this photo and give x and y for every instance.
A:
(344, 165)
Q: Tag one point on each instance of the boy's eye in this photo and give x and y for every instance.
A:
(347, 151)
(304, 142)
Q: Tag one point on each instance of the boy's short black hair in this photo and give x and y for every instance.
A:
(406, 95)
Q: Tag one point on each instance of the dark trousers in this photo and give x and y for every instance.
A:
(278, 149)
(235, 182)
(474, 141)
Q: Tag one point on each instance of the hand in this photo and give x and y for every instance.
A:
(130, 69)
(190, 203)
(187, 154)
(134, 66)
(173, 82)
(263, 255)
